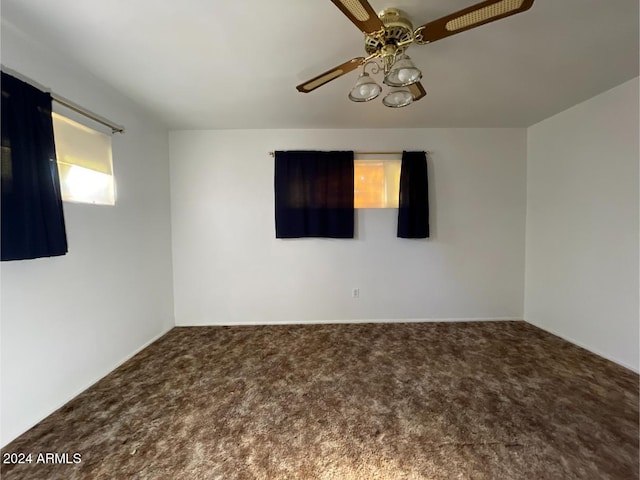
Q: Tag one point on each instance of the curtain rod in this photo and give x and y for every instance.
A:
(115, 128)
(365, 153)
(87, 113)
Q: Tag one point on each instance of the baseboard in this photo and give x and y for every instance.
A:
(373, 320)
(588, 348)
(90, 384)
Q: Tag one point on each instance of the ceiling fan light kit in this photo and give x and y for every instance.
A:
(399, 71)
(387, 37)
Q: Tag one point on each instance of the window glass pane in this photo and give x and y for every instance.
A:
(84, 162)
(80, 184)
(376, 183)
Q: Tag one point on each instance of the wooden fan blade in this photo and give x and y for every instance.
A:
(418, 91)
(329, 75)
(471, 17)
(361, 14)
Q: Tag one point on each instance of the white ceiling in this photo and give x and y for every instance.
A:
(213, 64)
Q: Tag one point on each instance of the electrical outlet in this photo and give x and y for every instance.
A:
(355, 293)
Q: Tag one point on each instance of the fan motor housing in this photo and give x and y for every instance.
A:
(397, 29)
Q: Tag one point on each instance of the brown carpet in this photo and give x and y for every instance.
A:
(495, 400)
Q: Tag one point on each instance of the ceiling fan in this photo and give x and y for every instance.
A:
(387, 37)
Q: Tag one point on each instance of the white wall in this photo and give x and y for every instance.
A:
(229, 267)
(582, 224)
(68, 321)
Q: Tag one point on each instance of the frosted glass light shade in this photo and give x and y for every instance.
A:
(365, 89)
(403, 72)
(398, 97)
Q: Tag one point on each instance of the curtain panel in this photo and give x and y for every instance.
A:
(413, 205)
(32, 223)
(314, 194)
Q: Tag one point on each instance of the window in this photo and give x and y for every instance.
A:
(84, 162)
(376, 183)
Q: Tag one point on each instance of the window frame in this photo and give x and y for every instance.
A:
(66, 116)
(390, 173)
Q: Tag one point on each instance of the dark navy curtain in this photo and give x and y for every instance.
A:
(413, 208)
(32, 216)
(314, 194)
